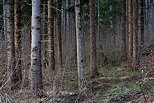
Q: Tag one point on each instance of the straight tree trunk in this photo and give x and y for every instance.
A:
(17, 74)
(113, 33)
(93, 63)
(142, 23)
(59, 3)
(135, 61)
(130, 31)
(44, 37)
(83, 23)
(66, 22)
(123, 31)
(98, 23)
(51, 35)
(142, 5)
(79, 45)
(4, 19)
(10, 40)
(36, 70)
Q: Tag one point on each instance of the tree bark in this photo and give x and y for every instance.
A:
(93, 63)
(10, 40)
(135, 61)
(36, 70)
(130, 31)
(44, 37)
(83, 24)
(51, 35)
(17, 74)
(4, 19)
(66, 23)
(79, 45)
(59, 3)
(123, 31)
(142, 5)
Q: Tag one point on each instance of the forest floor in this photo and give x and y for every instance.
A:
(115, 84)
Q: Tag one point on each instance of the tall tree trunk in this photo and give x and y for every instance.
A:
(98, 22)
(51, 35)
(123, 31)
(93, 63)
(17, 74)
(83, 23)
(79, 45)
(4, 19)
(142, 5)
(66, 23)
(59, 3)
(130, 31)
(36, 70)
(135, 61)
(10, 40)
(113, 33)
(44, 37)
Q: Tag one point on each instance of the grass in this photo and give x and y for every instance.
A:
(122, 89)
(118, 87)
(149, 82)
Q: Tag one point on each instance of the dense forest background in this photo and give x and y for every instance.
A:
(76, 51)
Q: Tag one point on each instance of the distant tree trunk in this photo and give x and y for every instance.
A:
(147, 12)
(113, 33)
(17, 74)
(98, 23)
(59, 2)
(36, 70)
(51, 35)
(10, 40)
(93, 63)
(130, 31)
(142, 5)
(66, 23)
(74, 39)
(79, 45)
(44, 37)
(63, 14)
(123, 31)
(4, 19)
(83, 23)
(135, 60)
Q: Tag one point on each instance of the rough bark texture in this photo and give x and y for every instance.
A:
(93, 65)
(113, 33)
(51, 36)
(44, 36)
(36, 71)
(142, 2)
(10, 40)
(59, 2)
(4, 19)
(98, 23)
(83, 23)
(123, 31)
(66, 21)
(17, 74)
(130, 31)
(79, 38)
(135, 61)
